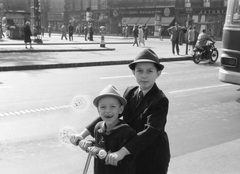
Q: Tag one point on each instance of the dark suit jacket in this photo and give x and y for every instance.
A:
(150, 146)
(174, 33)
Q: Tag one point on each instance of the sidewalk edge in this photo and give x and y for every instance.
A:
(83, 64)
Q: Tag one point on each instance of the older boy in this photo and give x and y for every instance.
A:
(110, 134)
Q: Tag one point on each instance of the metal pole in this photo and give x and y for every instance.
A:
(87, 163)
(187, 24)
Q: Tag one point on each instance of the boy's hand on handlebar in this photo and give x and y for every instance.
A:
(75, 139)
(93, 150)
(84, 144)
(113, 158)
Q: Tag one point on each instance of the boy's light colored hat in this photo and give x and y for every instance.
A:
(110, 90)
(147, 55)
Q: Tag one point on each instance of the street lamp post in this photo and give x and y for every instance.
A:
(37, 21)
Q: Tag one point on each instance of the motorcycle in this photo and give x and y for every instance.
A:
(200, 54)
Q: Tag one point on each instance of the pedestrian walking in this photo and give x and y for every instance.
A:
(82, 30)
(126, 32)
(70, 32)
(35, 32)
(49, 30)
(146, 112)
(196, 34)
(85, 32)
(78, 30)
(141, 36)
(64, 31)
(123, 31)
(135, 35)
(27, 34)
(111, 134)
(91, 32)
(1, 31)
(191, 38)
(146, 31)
(176, 33)
(160, 31)
(43, 30)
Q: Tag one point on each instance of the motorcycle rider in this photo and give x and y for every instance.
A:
(203, 38)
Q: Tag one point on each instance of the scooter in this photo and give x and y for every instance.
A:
(65, 135)
(200, 54)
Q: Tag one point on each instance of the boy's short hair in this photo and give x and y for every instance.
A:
(147, 56)
(111, 91)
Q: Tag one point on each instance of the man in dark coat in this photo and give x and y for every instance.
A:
(91, 32)
(70, 32)
(27, 34)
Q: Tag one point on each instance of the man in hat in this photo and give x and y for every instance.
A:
(70, 32)
(91, 32)
(111, 133)
(176, 33)
(64, 31)
(146, 112)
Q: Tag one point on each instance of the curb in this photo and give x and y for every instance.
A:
(64, 43)
(55, 50)
(83, 64)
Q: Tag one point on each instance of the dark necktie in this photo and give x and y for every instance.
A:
(140, 97)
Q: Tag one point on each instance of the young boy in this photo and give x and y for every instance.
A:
(147, 116)
(110, 134)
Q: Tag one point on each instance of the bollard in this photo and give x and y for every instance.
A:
(102, 44)
(102, 31)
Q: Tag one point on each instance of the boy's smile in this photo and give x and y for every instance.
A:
(109, 109)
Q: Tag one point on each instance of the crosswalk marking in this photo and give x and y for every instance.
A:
(29, 111)
(5, 87)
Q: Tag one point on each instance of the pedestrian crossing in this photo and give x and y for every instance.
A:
(30, 111)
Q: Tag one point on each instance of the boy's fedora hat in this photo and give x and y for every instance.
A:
(110, 90)
(147, 55)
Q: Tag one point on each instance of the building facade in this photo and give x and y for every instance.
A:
(204, 14)
(75, 12)
(15, 12)
(54, 14)
(114, 14)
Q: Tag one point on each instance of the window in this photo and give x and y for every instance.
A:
(236, 12)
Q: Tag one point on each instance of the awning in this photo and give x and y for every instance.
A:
(142, 21)
(166, 21)
(151, 21)
(125, 21)
(133, 21)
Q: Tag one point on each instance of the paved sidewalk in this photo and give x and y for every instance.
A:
(55, 44)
